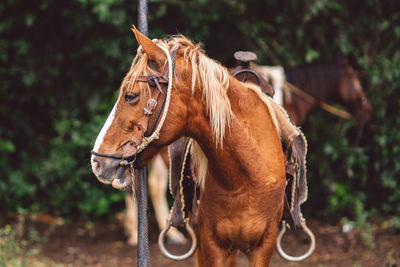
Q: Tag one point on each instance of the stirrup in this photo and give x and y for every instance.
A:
(295, 258)
(161, 240)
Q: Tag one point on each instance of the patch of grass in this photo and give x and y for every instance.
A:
(14, 250)
(19, 245)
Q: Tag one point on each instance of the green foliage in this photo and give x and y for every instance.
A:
(61, 63)
(56, 99)
(20, 243)
(14, 249)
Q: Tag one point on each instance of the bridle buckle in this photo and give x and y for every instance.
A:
(150, 106)
(151, 79)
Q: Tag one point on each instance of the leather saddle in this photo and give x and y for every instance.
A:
(244, 73)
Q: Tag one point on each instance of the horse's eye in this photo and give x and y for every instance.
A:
(130, 97)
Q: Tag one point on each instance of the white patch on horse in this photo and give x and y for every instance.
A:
(276, 76)
(103, 132)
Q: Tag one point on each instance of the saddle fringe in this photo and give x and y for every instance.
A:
(295, 147)
(294, 144)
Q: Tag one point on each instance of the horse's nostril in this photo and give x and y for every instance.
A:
(96, 166)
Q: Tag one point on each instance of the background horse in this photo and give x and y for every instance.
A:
(239, 147)
(330, 82)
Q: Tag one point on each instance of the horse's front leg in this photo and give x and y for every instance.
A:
(209, 252)
(131, 220)
(232, 259)
(261, 256)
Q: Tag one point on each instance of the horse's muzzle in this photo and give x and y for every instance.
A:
(109, 171)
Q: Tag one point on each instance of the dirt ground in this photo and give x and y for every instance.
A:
(103, 244)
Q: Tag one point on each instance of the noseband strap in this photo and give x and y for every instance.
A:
(113, 156)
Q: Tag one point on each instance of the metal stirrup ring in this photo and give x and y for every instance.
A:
(161, 240)
(295, 258)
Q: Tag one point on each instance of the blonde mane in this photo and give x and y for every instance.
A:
(138, 67)
(214, 80)
(269, 102)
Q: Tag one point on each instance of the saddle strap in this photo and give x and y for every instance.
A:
(296, 188)
(182, 183)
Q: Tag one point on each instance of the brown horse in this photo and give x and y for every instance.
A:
(329, 82)
(238, 146)
(338, 77)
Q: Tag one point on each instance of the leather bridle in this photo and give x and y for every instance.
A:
(141, 125)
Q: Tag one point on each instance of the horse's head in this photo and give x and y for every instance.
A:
(352, 93)
(146, 110)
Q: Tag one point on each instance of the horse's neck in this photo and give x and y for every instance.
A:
(319, 81)
(251, 146)
(298, 108)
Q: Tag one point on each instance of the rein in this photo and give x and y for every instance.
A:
(312, 100)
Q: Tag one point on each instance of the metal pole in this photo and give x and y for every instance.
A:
(142, 19)
(143, 259)
(143, 238)
(143, 241)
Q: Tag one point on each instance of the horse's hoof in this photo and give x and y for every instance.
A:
(177, 240)
(132, 242)
(174, 237)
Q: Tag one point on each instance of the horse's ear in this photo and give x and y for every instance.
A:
(153, 51)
